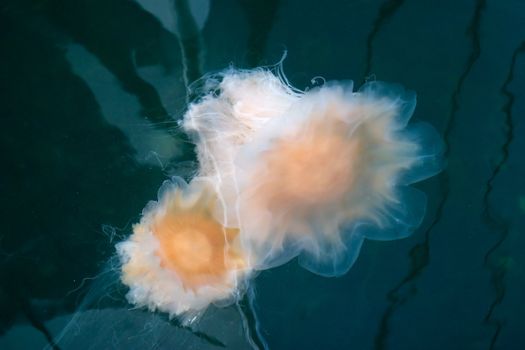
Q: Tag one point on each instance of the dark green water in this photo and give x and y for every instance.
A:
(90, 91)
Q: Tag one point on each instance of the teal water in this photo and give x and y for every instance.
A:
(90, 92)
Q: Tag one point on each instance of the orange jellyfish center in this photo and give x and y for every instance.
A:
(315, 167)
(194, 246)
(188, 250)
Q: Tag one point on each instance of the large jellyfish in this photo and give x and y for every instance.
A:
(311, 174)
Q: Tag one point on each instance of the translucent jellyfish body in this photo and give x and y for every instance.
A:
(180, 259)
(221, 124)
(312, 174)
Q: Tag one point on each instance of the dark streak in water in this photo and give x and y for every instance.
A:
(37, 323)
(261, 15)
(246, 306)
(201, 335)
(386, 11)
(420, 253)
(209, 339)
(498, 269)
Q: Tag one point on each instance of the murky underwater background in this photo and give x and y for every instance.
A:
(89, 93)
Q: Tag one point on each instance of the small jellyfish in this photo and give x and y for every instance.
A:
(180, 259)
(312, 174)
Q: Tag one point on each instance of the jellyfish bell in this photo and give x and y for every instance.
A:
(329, 173)
(316, 172)
(180, 259)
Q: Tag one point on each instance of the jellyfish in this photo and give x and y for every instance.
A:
(312, 174)
(179, 258)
